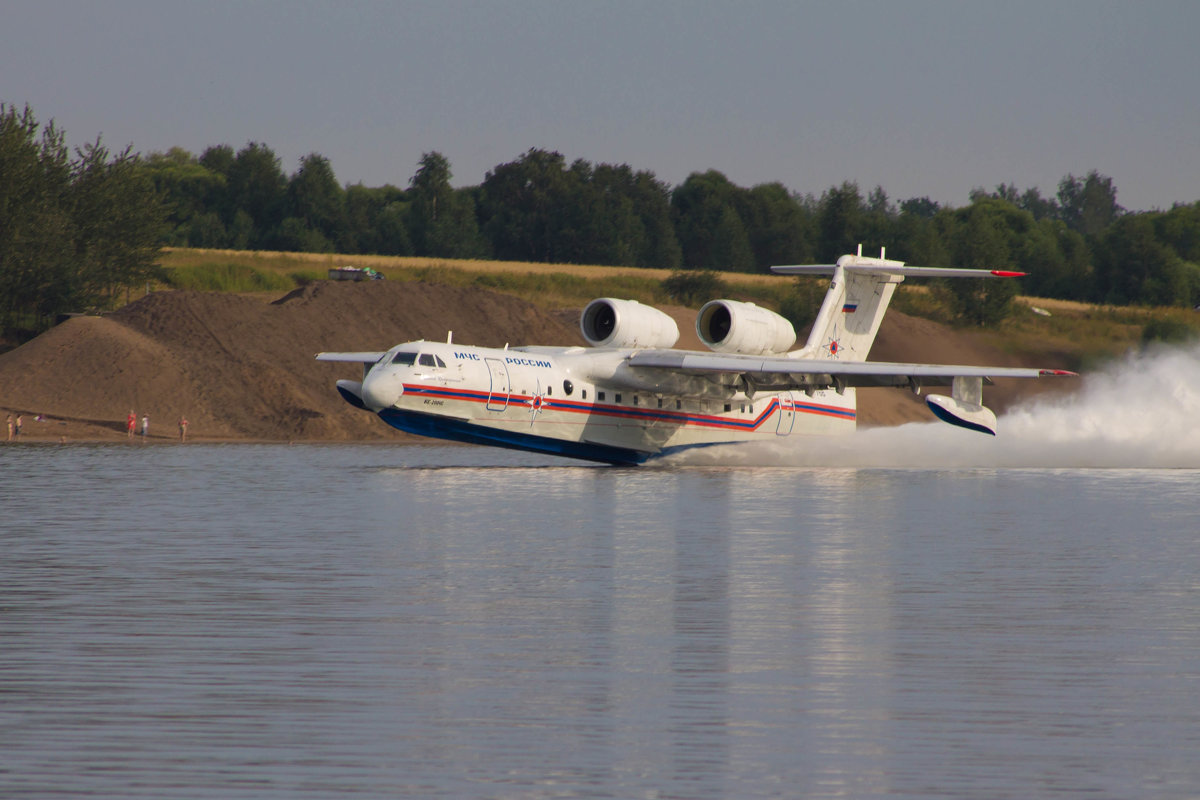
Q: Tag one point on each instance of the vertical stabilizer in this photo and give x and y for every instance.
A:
(853, 308)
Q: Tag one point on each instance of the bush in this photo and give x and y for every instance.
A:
(799, 308)
(1170, 331)
(225, 278)
(694, 287)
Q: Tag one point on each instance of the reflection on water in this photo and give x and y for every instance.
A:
(245, 621)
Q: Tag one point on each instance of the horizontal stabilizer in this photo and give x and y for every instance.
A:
(895, 268)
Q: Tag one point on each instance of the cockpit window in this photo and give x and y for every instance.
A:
(406, 359)
(430, 360)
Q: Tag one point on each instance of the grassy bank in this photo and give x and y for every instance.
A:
(547, 285)
(1079, 333)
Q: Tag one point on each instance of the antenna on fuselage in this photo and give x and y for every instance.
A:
(449, 337)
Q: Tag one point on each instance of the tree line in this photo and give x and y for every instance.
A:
(75, 231)
(1079, 245)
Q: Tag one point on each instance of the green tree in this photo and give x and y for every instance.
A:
(917, 233)
(1133, 266)
(1057, 259)
(258, 187)
(519, 206)
(190, 190)
(538, 209)
(731, 244)
(315, 198)
(652, 203)
(377, 221)
(119, 220)
(1041, 208)
(839, 222)
(779, 227)
(980, 241)
(73, 233)
(35, 226)
(711, 232)
(1179, 229)
(610, 214)
(442, 220)
(296, 236)
(1088, 205)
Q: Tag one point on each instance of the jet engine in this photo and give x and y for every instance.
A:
(728, 326)
(608, 322)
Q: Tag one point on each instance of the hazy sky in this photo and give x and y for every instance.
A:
(921, 98)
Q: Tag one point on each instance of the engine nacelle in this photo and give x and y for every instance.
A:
(608, 322)
(728, 326)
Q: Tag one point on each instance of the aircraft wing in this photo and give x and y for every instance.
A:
(780, 372)
(354, 358)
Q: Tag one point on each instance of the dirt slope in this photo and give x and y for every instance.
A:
(239, 368)
(242, 369)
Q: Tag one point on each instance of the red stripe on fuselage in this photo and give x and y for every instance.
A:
(632, 412)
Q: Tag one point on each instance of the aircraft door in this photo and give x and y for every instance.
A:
(498, 392)
(787, 414)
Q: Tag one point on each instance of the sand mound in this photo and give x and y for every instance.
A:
(241, 368)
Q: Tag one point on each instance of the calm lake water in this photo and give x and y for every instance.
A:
(374, 621)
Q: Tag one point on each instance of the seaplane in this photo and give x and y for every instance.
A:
(630, 397)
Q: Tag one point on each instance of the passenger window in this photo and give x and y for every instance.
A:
(568, 388)
(600, 395)
(583, 393)
(635, 399)
(678, 405)
(617, 397)
(728, 408)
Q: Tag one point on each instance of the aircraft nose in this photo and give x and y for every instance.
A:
(381, 390)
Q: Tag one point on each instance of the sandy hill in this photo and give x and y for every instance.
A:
(240, 368)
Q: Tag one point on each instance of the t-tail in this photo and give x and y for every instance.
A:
(860, 290)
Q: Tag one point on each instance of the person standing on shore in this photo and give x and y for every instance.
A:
(145, 425)
(10, 427)
(17, 426)
(183, 423)
(130, 424)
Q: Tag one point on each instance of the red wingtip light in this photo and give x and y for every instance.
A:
(1000, 273)
(1058, 372)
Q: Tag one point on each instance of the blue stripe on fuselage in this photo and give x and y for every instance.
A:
(461, 431)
